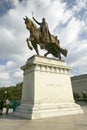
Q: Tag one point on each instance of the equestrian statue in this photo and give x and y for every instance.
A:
(42, 37)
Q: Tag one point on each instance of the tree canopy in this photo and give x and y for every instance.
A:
(11, 92)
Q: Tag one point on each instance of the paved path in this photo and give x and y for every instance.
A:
(75, 122)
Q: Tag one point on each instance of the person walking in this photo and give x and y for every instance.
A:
(7, 106)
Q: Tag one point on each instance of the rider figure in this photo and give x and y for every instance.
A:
(44, 29)
(57, 41)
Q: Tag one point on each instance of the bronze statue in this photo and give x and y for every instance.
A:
(42, 37)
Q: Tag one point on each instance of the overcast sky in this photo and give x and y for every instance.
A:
(66, 18)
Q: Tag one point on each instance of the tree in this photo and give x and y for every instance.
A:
(13, 92)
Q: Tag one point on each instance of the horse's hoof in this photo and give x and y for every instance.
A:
(31, 48)
(45, 55)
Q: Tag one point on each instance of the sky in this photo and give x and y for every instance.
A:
(66, 18)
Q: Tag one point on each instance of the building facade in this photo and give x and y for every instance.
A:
(79, 84)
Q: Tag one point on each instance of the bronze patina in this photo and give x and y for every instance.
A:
(42, 37)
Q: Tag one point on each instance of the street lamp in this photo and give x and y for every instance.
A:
(5, 95)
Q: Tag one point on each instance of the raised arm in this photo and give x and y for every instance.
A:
(36, 21)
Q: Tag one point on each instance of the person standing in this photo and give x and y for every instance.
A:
(7, 106)
(14, 105)
(1, 107)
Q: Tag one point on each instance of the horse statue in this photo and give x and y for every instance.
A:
(52, 46)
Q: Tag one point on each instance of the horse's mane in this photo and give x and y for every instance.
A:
(33, 24)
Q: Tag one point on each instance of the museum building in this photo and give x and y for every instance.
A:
(79, 84)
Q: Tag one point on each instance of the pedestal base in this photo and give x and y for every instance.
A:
(47, 110)
(47, 90)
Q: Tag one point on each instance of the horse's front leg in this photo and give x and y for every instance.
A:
(35, 47)
(28, 44)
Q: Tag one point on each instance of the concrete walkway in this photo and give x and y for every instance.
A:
(75, 122)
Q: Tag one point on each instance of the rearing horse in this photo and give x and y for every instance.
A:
(36, 38)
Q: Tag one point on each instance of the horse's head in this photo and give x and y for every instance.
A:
(28, 22)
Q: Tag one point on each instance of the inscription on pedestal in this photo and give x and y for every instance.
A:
(54, 85)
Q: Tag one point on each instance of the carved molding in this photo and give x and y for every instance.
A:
(45, 68)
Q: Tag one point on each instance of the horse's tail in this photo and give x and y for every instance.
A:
(63, 51)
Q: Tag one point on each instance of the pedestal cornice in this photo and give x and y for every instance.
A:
(39, 63)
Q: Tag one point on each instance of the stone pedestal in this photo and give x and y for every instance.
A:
(47, 90)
